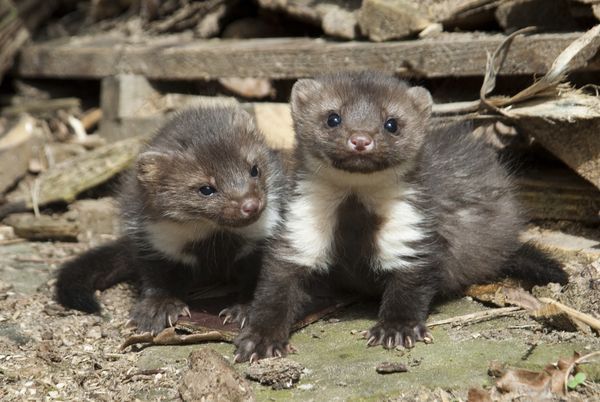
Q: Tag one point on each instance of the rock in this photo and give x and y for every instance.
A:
(383, 20)
(257, 88)
(389, 368)
(545, 15)
(210, 25)
(97, 218)
(338, 22)
(17, 147)
(274, 120)
(212, 378)
(278, 372)
(335, 18)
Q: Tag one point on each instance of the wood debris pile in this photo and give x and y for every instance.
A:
(84, 83)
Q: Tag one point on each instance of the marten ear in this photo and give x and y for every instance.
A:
(242, 119)
(421, 99)
(149, 166)
(303, 93)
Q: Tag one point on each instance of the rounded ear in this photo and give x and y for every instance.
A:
(303, 93)
(149, 164)
(241, 118)
(422, 100)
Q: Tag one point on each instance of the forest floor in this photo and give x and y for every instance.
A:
(49, 353)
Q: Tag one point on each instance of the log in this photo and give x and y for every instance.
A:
(16, 149)
(43, 227)
(43, 106)
(558, 194)
(176, 58)
(64, 181)
(18, 19)
(568, 127)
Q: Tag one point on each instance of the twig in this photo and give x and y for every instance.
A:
(585, 318)
(128, 377)
(576, 362)
(478, 316)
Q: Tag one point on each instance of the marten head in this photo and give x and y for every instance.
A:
(359, 122)
(209, 163)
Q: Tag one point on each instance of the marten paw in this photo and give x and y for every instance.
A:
(237, 313)
(252, 347)
(154, 313)
(391, 335)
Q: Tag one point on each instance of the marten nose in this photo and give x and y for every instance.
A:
(250, 206)
(360, 142)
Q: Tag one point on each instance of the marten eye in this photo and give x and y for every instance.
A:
(254, 172)
(334, 120)
(207, 190)
(391, 125)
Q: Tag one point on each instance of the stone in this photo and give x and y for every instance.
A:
(98, 219)
(277, 372)
(212, 378)
(274, 120)
(17, 147)
(337, 19)
(383, 20)
(389, 368)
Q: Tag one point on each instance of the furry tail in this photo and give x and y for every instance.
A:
(535, 266)
(97, 269)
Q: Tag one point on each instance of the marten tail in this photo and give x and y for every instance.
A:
(96, 269)
(535, 267)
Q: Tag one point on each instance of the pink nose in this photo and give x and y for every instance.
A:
(250, 206)
(360, 142)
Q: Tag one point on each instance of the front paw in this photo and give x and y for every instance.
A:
(253, 347)
(236, 313)
(154, 313)
(391, 335)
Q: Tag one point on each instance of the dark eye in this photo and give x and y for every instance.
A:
(254, 172)
(207, 190)
(391, 125)
(334, 120)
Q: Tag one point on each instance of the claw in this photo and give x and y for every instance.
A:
(364, 334)
(187, 312)
(169, 321)
(253, 357)
(130, 324)
(222, 312)
(371, 341)
(408, 342)
(277, 353)
(226, 320)
(237, 358)
(243, 323)
(390, 343)
(428, 338)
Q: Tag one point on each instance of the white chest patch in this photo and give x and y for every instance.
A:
(311, 221)
(170, 238)
(402, 225)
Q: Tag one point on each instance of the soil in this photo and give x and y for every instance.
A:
(49, 353)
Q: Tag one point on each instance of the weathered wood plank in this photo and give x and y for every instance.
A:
(185, 59)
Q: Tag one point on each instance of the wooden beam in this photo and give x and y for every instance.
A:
(174, 58)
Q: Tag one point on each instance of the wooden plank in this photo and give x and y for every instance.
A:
(178, 58)
(16, 148)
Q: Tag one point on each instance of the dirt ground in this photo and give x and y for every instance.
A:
(49, 353)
